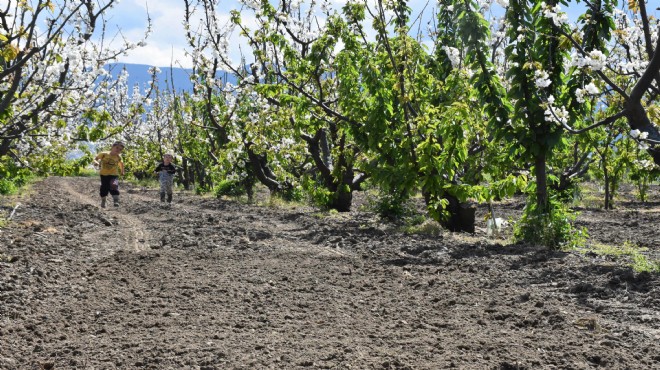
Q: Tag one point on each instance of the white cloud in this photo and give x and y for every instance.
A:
(156, 55)
(167, 43)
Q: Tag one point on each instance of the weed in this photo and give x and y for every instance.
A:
(231, 188)
(145, 182)
(427, 227)
(88, 172)
(392, 207)
(638, 261)
(641, 263)
(7, 187)
(275, 201)
(553, 229)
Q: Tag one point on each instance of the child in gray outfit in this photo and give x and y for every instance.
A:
(166, 172)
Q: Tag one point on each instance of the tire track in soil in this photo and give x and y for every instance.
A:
(280, 232)
(133, 229)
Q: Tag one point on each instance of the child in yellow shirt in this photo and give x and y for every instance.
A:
(110, 167)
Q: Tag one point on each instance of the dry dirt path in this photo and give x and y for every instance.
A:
(131, 231)
(216, 284)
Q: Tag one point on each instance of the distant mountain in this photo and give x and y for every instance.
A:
(138, 74)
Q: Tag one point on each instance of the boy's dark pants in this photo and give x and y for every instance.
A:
(106, 185)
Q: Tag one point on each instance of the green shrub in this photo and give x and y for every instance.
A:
(229, 188)
(553, 229)
(391, 207)
(13, 178)
(293, 194)
(7, 187)
(318, 195)
(201, 190)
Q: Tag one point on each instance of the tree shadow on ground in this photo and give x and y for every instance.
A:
(517, 255)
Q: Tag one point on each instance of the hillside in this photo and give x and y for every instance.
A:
(177, 77)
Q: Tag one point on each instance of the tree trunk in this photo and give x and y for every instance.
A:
(201, 175)
(606, 177)
(461, 214)
(325, 149)
(342, 188)
(259, 167)
(4, 147)
(639, 119)
(262, 173)
(186, 174)
(342, 201)
(637, 115)
(541, 183)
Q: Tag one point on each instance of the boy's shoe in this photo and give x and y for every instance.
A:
(103, 202)
(115, 198)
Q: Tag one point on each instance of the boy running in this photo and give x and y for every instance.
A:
(111, 166)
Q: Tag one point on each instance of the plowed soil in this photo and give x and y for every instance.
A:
(218, 284)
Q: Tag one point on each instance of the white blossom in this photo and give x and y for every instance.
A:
(645, 164)
(558, 17)
(592, 89)
(542, 79)
(595, 60)
(453, 54)
(556, 114)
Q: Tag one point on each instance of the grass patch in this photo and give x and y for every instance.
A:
(426, 227)
(88, 172)
(591, 201)
(641, 263)
(277, 202)
(10, 203)
(629, 252)
(589, 195)
(149, 183)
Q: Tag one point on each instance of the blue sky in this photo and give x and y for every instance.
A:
(166, 46)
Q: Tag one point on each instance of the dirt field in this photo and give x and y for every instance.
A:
(217, 284)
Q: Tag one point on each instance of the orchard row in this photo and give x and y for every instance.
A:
(454, 103)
